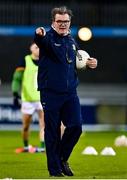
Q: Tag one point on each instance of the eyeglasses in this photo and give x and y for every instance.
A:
(62, 22)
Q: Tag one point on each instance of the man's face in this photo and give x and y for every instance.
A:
(61, 23)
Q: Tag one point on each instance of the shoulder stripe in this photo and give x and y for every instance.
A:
(20, 68)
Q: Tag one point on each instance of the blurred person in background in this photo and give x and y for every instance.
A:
(57, 82)
(24, 82)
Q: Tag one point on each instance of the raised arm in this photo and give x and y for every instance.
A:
(39, 34)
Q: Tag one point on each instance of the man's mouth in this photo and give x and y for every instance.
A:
(62, 28)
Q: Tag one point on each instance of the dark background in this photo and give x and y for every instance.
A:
(110, 52)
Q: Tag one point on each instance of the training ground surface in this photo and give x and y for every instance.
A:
(33, 166)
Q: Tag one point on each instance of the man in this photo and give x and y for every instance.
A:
(25, 79)
(57, 82)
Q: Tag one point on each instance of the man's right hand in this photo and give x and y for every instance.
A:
(40, 31)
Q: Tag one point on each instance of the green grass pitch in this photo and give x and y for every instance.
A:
(33, 166)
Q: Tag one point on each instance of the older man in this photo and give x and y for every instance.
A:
(57, 82)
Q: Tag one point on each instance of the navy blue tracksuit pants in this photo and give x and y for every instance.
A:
(66, 108)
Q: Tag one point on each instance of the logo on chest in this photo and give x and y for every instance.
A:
(56, 44)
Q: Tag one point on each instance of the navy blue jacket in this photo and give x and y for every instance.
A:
(57, 62)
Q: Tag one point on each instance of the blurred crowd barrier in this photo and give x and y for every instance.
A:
(100, 104)
(92, 113)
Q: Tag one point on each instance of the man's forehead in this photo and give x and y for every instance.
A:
(62, 17)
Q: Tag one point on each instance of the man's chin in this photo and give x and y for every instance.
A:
(63, 33)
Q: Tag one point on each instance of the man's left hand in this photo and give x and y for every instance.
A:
(91, 63)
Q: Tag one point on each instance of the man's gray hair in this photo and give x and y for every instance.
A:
(60, 10)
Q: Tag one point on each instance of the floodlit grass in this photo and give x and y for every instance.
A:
(33, 166)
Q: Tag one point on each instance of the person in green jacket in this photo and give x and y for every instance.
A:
(24, 82)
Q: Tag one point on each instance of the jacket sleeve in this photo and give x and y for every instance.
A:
(41, 41)
(16, 81)
(37, 39)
